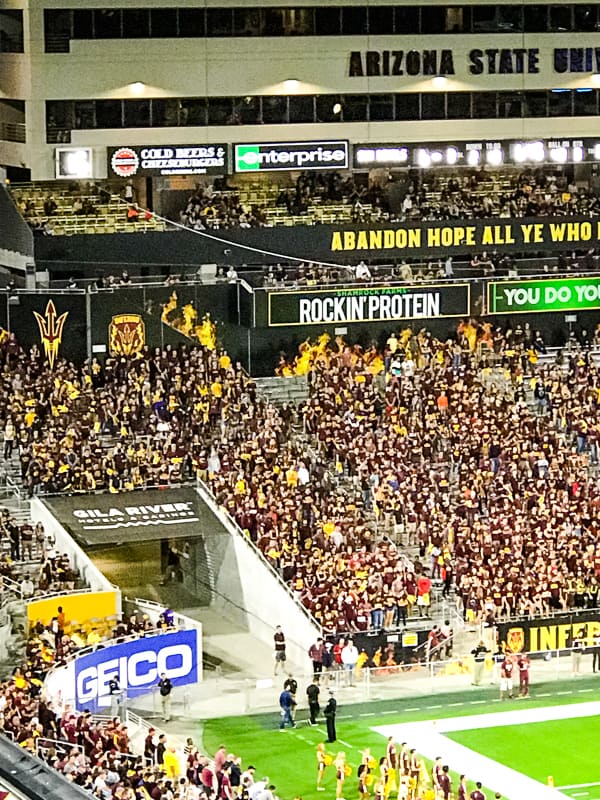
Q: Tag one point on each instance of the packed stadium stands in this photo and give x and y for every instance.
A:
(471, 463)
(318, 198)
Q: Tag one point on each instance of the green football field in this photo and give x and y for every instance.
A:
(566, 749)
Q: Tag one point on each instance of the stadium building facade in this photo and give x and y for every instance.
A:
(165, 88)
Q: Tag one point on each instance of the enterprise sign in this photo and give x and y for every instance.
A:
(271, 157)
(382, 304)
(179, 159)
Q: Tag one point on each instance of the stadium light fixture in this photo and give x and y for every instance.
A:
(137, 87)
(534, 151)
(494, 156)
(439, 82)
(423, 158)
(559, 155)
(451, 155)
(577, 154)
(473, 157)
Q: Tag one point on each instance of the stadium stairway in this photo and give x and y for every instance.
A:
(278, 390)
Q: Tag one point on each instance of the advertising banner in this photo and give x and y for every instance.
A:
(393, 303)
(562, 294)
(461, 236)
(173, 159)
(138, 516)
(548, 633)
(270, 157)
(138, 665)
(342, 243)
(80, 607)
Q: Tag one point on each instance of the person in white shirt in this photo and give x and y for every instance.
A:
(362, 272)
(408, 368)
(349, 659)
(406, 273)
(303, 474)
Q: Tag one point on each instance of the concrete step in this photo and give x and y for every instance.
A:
(278, 390)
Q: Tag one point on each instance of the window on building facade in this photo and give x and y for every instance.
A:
(11, 31)
(381, 20)
(381, 107)
(66, 115)
(163, 23)
(61, 25)
(459, 106)
(585, 102)
(274, 110)
(302, 108)
(192, 22)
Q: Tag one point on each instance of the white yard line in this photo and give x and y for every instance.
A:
(428, 739)
(579, 786)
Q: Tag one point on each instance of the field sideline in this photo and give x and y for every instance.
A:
(289, 758)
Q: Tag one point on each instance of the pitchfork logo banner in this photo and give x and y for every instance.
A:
(51, 330)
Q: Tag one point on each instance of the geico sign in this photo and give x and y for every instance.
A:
(137, 670)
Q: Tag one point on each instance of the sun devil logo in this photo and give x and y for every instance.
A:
(126, 335)
(51, 331)
(515, 640)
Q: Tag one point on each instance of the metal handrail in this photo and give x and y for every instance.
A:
(50, 742)
(375, 283)
(13, 132)
(13, 586)
(545, 615)
(231, 523)
(106, 643)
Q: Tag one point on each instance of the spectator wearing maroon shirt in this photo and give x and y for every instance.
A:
(444, 782)
(523, 664)
(316, 655)
(477, 794)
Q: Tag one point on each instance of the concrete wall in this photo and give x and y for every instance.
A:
(248, 592)
(188, 67)
(89, 572)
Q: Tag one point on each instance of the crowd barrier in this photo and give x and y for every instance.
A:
(255, 324)
(548, 672)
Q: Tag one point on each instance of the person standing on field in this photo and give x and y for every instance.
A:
(312, 692)
(316, 655)
(165, 688)
(577, 651)
(596, 652)
(523, 664)
(479, 654)
(477, 794)
(507, 668)
(280, 656)
(329, 714)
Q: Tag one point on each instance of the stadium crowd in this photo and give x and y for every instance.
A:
(486, 475)
(415, 196)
